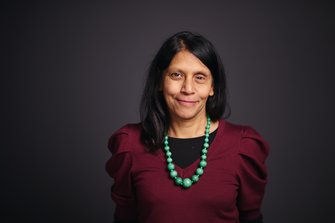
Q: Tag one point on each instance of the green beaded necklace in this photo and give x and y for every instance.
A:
(187, 182)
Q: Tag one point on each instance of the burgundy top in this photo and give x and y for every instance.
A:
(230, 190)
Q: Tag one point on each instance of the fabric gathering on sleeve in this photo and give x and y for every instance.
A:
(253, 175)
(119, 167)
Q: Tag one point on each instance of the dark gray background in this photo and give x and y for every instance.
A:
(72, 73)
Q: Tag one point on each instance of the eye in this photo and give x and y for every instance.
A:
(200, 77)
(176, 75)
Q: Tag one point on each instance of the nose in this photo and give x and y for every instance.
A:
(188, 86)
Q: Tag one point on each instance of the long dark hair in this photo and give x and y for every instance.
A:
(153, 109)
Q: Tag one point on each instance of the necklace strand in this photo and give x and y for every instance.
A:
(188, 182)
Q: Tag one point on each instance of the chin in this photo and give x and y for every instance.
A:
(186, 115)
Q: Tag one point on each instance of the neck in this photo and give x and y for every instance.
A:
(188, 128)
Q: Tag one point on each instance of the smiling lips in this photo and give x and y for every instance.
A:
(186, 102)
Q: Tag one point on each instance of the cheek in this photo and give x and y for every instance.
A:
(167, 93)
(206, 92)
(170, 88)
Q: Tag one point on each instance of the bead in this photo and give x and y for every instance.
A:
(203, 163)
(195, 178)
(173, 173)
(199, 171)
(179, 181)
(187, 182)
(170, 166)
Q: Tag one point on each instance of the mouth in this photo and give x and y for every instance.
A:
(186, 102)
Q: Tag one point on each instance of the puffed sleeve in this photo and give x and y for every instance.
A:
(119, 167)
(252, 172)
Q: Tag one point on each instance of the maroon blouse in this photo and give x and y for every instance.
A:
(230, 190)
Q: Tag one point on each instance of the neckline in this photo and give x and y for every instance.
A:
(193, 138)
(189, 170)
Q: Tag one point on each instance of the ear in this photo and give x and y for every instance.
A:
(211, 93)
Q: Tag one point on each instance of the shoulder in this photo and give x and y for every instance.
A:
(233, 132)
(253, 145)
(123, 138)
(129, 129)
(250, 142)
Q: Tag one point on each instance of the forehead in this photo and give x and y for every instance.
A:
(184, 60)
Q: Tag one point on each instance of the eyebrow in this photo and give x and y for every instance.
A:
(176, 69)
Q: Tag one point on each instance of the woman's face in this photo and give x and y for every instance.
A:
(186, 85)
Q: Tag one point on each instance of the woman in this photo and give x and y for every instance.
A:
(183, 163)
